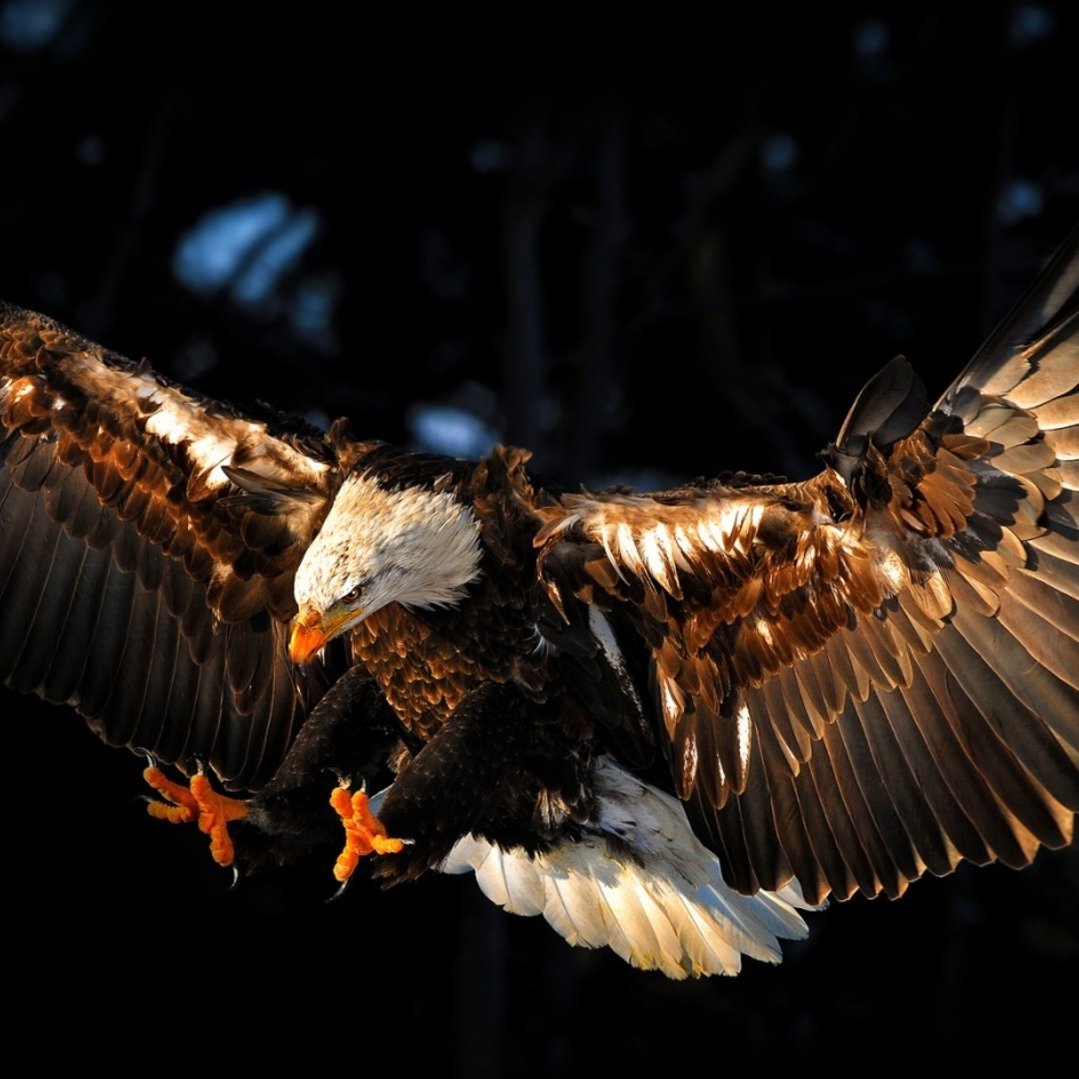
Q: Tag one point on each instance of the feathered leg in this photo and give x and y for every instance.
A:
(504, 767)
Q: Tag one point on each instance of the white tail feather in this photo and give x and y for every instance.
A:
(637, 881)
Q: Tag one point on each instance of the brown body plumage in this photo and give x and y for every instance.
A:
(426, 663)
(848, 681)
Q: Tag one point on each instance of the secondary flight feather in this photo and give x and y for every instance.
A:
(665, 721)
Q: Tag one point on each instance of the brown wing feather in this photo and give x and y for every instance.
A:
(138, 581)
(881, 661)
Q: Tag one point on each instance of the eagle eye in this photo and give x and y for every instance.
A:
(352, 594)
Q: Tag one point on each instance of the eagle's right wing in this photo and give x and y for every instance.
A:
(148, 540)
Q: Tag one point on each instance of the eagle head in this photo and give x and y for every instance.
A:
(411, 545)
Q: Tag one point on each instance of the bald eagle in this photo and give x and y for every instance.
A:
(668, 722)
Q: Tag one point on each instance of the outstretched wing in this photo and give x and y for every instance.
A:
(148, 540)
(876, 672)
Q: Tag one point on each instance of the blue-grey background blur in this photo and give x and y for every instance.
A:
(646, 255)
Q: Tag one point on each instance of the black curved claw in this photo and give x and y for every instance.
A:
(342, 780)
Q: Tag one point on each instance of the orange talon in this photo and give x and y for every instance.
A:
(199, 801)
(364, 832)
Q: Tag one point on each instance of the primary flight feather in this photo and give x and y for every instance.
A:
(665, 721)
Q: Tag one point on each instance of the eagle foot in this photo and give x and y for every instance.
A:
(364, 832)
(197, 802)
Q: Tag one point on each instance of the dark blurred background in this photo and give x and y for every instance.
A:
(649, 253)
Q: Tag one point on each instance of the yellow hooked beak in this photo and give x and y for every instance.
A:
(310, 632)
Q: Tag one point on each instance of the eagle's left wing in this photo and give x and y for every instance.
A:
(873, 673)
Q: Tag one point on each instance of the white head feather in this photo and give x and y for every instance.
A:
(411, 546)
